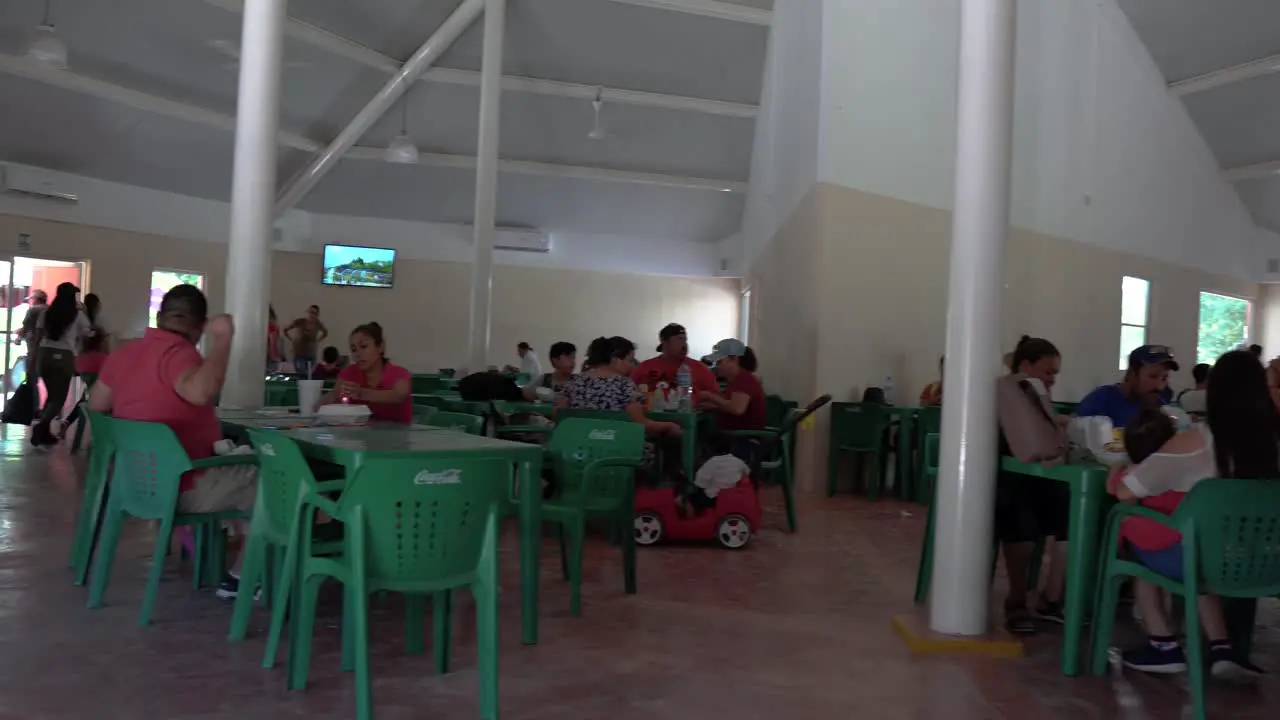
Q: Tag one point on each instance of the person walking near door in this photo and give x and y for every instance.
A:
(60, 330)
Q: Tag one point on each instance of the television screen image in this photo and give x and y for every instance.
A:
(358, 266)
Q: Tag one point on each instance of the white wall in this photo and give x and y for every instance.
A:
(135, 209)
(1102, 153)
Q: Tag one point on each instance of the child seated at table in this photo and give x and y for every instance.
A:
(328, 367)
(1165, 465)
(721, 471)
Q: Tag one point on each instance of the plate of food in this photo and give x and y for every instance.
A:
(1112, 453)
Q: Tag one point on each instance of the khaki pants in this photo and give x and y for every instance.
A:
(234, 487)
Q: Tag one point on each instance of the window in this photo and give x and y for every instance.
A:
(1134, 301)
(744, 318)
(162, 281)
(1224, 325)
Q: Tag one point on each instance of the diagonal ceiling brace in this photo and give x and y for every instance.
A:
(431, 50)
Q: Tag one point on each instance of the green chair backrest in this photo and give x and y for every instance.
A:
(858, 426)
(578, 441)
(283, 472)
(470, 424)
(104, 444)
(1236, 524)
(434, 401)
(523, 379)
(422, 413)
(929, 421)
(563, 414)
(149, 463)
(932, 450)
(776, 410)
(424, 518)
(465, 407)
(281, 395)
(447, 372)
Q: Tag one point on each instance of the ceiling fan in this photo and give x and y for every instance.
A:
(231, 50)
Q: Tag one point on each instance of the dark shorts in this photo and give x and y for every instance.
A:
(1029, 508)
(1166, 562)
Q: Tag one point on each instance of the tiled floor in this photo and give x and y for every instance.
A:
(795, 625)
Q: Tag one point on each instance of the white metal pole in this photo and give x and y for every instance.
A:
(980, 225)
(449, 31)
(253, 188)
(486, 182)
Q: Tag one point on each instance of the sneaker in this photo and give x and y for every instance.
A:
(1159, 660)
(1050, 612)
(229, 588)
(1224, 665)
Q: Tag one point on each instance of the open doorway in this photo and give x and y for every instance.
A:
(21, 281)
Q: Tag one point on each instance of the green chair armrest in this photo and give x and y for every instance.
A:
(321, 502)
(603, 463)
(331, 486)
(764, 434)
(224, 461)
(1127, 510)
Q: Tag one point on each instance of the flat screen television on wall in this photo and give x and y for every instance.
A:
(358, 266)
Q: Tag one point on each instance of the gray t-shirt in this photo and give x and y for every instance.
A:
(71, 335)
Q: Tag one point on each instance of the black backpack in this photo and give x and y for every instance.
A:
(486, 386)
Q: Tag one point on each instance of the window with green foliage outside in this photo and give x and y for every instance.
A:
(1224, 325)
(162, 281)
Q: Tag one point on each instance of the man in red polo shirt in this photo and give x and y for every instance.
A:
(674, 352)
(162, 378)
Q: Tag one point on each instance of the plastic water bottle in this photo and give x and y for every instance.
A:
(684, 384)
(887, 386)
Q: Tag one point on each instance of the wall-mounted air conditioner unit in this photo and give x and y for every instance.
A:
(522, 240)
(36, 183)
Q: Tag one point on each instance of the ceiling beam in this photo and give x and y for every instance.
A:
(1251, 172)
(395, 87)
(1226, 76)
(342, 47)
(709, 8)
(178, 110)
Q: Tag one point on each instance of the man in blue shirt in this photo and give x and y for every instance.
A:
(1144, 386)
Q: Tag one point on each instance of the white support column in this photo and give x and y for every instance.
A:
(980, 225)
(495, 12)
(253, 187)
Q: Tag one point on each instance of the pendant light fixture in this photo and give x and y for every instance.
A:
(597, 129)
(402, 150)
(46, 47)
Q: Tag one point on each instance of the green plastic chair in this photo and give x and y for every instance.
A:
(858, 428)
(422, 413)
(89, 517)
(928, 422)
(462, 422)
(924, 573)
(1231, 548)
(284, 478)
(281, 396)
(417, 526)
(594, 462)
(83, 405)
(424, 384)
(149, 461)
(777, 468)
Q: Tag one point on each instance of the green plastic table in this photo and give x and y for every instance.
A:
(1089, 505)
(348, 446)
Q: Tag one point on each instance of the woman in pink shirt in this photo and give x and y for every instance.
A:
(371, 379)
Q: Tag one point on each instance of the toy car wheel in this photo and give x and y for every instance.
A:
(733, 531)
(648, 528)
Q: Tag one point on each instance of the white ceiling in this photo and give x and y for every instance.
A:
(1238, 111)
(165, 49)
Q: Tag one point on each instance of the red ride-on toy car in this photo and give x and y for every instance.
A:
(731, 521)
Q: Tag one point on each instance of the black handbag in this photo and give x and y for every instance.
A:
(21, 408)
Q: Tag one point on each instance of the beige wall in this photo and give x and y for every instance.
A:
(878, 298)
(425, 315)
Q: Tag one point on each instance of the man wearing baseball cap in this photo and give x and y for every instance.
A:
(674, 352)
(1144, 386)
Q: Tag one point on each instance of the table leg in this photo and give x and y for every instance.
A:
(530, 543)
(1087, 503)
(690, 445)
